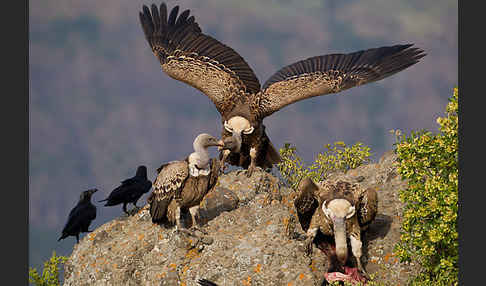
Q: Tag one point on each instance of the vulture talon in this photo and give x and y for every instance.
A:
(250, 170)
(308, 247)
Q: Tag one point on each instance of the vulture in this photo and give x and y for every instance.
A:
(188, 55)
(181, 185)
(338, 210)
(130, 190)
(80, 216)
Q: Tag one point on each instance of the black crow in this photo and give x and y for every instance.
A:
(80, 216)
(130, 190)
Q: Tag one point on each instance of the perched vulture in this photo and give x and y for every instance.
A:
(130, 190)
(337, 209)
(80, 216)
(188, 55)
(181, 185)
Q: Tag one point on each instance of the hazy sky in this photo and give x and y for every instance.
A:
(100, 104)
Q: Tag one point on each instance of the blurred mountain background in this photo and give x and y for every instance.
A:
(100, 104)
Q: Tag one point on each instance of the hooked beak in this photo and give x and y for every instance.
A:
(340, 238)
(229, 143)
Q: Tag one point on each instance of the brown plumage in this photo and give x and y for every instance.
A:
(181, 185)
(336, 209)
(188, 55)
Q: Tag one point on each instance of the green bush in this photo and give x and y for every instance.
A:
(335, 158)
(429, 230)
(50, 273)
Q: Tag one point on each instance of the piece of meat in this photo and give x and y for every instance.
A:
(351, 275)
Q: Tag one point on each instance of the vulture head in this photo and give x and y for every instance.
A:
(338, 211)
(238, 125)
(203, 141)
(86, 195)
(199, 159)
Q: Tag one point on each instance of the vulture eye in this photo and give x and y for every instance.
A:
(248, 130)
(228, 127)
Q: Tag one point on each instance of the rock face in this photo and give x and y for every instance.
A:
(252, 238)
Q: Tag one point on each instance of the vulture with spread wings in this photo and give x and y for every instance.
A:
(188, 55)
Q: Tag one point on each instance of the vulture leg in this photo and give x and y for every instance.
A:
(223, 160)
(311, 234)
(252, 167)
(179, 224)
(194, 211)
(356, 245)
(77, 237)
(194, 225)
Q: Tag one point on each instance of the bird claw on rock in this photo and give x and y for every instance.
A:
(250, 170)
(308, 246)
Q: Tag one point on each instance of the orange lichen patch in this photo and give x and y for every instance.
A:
(247, 282)
(192, 253)
(301, 276)
(374, 260)
(387, 257)
(285, 220)
(289, 284)
(312, 266)
(184, 269)
(141, 236)
(269, 222)
(173, 266)
(161, 236)
(258, 268)
(160, 276)
(115, 265)
(183, 284)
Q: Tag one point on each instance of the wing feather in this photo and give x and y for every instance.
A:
(306, 202)
(188, 55)
(170, 179)
(333, 73)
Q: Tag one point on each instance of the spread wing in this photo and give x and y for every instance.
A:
(186, 54)
(306, 202)
(333, 73)
(169, 181)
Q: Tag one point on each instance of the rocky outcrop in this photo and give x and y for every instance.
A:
(252, 237)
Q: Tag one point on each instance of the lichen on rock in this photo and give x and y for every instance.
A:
(253, 238)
